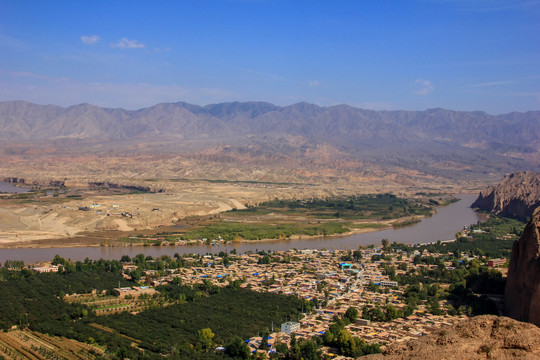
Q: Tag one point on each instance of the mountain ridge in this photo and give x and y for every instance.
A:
(431, 120)
(438, 140)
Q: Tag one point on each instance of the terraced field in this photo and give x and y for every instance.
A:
(27, 344)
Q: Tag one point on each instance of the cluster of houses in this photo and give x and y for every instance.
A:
(322, 275)
(331, 279)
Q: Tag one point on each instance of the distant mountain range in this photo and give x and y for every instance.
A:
(509, 142)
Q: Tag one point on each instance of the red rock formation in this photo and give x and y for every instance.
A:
(518, 195)
(522, 293)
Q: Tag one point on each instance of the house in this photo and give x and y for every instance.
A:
(45, 269)
(496, 262)
(290, 326)
(134, 291)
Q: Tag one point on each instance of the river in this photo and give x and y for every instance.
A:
(10, 188)
(442, 226)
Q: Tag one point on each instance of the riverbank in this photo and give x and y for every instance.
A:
(92, 218)
(442, 226)
(8, 188)
(89, 241)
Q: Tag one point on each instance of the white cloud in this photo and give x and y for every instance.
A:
(266, 75)
(125, 43)
(25, 74)
(489, 5)
(90, 40)
(489, 84)
(313, 83)
(526, 94)
(423, 87)
(376, 105)
(66, 92)
(11, 42)
(162, 50)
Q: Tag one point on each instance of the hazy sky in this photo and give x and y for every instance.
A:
(376, 54)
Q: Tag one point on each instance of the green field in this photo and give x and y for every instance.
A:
(278, 219)
(230, 231)
(374, 206)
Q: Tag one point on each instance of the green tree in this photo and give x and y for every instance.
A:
(434, 306)
(293, 339)
(372, 287)
(237, 349)
(264, 342)
(309, 350)
(351, 314)
(58, 260)
(281, 348)
(392, 313)
(205, 339)
(345, 343)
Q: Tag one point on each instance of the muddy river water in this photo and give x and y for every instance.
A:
(10, 188)
(442, 226)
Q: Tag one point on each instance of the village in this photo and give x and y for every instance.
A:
(330, 282)
(319, 276)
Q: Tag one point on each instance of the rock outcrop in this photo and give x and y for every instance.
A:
(482, 337)
(518, 195)
(522, 293)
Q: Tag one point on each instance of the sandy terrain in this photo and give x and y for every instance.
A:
(20, 223)
(33, 222)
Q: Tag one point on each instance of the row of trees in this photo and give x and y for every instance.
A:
(231, 231)
(387, 206)
(199, 318)
(465, 279)
(338, 337)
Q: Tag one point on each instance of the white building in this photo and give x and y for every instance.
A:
(290, 327)
(45, 269)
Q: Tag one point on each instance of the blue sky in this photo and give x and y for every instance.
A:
(379, 54)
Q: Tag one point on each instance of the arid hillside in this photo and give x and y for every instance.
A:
(192, 160)
(482, 337)
(517, 195)
(438, 142)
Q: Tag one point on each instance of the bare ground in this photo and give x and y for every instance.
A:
(50, 223)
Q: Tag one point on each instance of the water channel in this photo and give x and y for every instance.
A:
(10, 188)
(441, 226)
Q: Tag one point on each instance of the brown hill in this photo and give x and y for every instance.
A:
(518, 195)
(519, 132)
(522, 293)
(437, 141)
(482, 337)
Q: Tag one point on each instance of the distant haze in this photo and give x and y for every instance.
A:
(434, 138)
(379, 55)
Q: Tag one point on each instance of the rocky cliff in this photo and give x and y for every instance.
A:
(482, 337)
(522, 293)
(518, 195)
